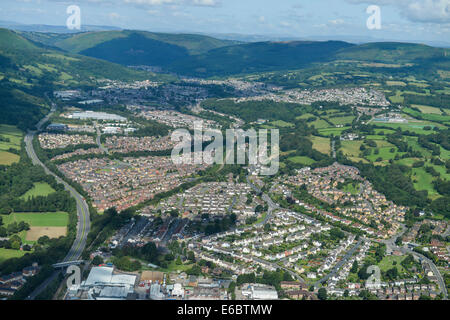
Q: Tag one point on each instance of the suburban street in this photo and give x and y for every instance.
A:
(98, 139)
(391, 246)
(271, 205)
(336, 268)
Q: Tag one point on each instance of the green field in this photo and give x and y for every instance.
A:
(6, 254)
(397, 98)
(351, 148)
(427, 109)
(417, 126)
(11, 133)
(384, 153)
(321, 144)
(301, 160)
(8, 158)
(351, 188)
(385, 131)
(412, 142)
(407, 161)
(39, 189)
(430, 116)
(342, 120)
(396, 83)
(35, 219)
(332, 131)
(388, 263)
(423, 181)
(320, 124)
(14, 136)
(282, 124)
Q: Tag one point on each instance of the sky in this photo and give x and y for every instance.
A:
(406, 20)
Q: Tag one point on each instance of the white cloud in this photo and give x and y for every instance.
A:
(336, 22)
(435, 11)
(114, 15)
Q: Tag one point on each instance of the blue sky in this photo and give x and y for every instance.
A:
(401, 19)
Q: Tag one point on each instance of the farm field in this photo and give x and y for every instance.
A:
(301, 160)
(321, 144)
(384, 131)
(12, 134)
(320, 124)
(417, 126)
(351, 148)
(282, 124)
(10, 138)
(51, 224)
(8, 158)
(396, 83)
(397, 98)
(52, 232)
(427, 109)
(39, 189)
(427, 115)
(332, 131)
(419, 84)
(342, 120)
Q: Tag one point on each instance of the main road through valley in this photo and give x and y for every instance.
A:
(84, 222)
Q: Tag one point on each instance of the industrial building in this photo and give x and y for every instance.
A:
(103, 284)
(57, 127)
(92, 115)
(259, 292)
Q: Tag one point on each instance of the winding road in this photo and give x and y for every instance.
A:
(84, 222)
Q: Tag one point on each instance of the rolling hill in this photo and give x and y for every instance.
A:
(192, 54)
(29, 69)
(258, 57)
(25, 60)
(191, 43)
(198, 55)
(392, 52)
